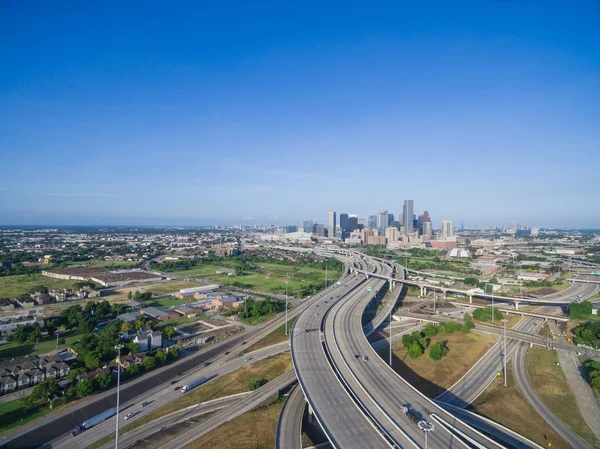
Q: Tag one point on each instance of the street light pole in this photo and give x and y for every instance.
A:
(505, 321)
(118, 348)
(286, 307)
(390, 338)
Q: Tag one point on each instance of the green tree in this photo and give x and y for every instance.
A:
(125, 326)
(415, 350)
(133, 370)
(27, 403)
(62, 341)
(254, 385)
(44, 389)
(149, 362)
(129, 295)
(84, 388)
(168, 332)
(137, 296)
(173, 352)
(430, 330)
(161, 357)
(103, 380)
(91, 361)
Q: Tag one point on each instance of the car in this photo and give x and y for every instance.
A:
(357, 356)
(247, 359)
(177, 388)
(173, 382)
(227, 352)
(144, 404)
(207, 363)
(365, 358)
(128, 415)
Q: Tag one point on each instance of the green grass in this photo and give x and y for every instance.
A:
(12, 415)
(270, 277)
(166, 302)
(103, 264)
(551, 384)
(18, 349)
(277, 336)
(14, 286)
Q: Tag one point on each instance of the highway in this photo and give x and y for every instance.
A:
(289, 427)
(160, 396)
(380, 389)
(342, 421)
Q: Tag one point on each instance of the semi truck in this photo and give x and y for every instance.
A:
(193, 384)
(423, 424)
(94, 421)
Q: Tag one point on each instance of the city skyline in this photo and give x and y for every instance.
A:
(491, 119)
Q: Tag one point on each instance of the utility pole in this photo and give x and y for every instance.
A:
(286, 307)
(325, 273)
(118, 348)
(504, 358)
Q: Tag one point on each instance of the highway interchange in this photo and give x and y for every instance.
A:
(352, 392)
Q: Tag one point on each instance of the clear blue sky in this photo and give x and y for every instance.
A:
(208, 112)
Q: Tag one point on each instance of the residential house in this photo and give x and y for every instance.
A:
(135, 305)
(6, 305)
(51, 372)
(93, 374)
(128, 317)
(185, 295)
(7, 384)
(37, 376)
(141, 339)
(155, 340)
(24, 380)
(27, 302)
(42, 298)
(63, 369)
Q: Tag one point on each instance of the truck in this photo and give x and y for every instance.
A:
(94, 421)
(423, 424)
(193, 384)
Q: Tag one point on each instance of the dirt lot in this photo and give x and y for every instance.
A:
(506, 406)
(433, 378)
(193, 328)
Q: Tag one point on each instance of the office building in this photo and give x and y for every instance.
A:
(320, 230)
(291, 228)
(535, 231)
(331, 225)
(446, 229)
(344, 225)
(372, 222)
(353, 222)
(391, 234)
(391, 219)
(362, 223)
(427, 230)
(365, 234)
(308, 226)
(407, 215)
(382, 222)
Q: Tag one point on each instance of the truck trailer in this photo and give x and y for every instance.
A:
(193, 384)
(422, 424)
(94, 421)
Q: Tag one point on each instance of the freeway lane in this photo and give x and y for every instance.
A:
(343, 423)
(160, 396)
(289, 427)
(343, 334)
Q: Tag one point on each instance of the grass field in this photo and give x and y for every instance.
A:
(14, 286)
(253, 430)
(12, 415)
(506, 406)
(18, 349)
(431, 377)
(551, 385)
(231, 383)
(269, 277)
(277, 336)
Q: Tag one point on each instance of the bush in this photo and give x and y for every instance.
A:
(579, 309)
(430, 330)
(62, 341)
(255, 384)
(84, 388)
(485, 314)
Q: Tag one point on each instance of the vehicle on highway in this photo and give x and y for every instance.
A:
(173, 382)
(128, 415)
(421, 423)
(365, 358)
(247, 359)
(93, 421)
(177, 388)
(193, 384)
(207, 363)
(144, 404)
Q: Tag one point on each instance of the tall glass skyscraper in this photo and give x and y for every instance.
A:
(407, 216)
(331, 225)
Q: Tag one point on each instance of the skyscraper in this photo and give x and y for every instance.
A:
(446, 229)
(382, 222)
(344, 224)
(372, 222)
(308, 226)
(353, 222)
(331, 224)
(407, 215)
(427, 228)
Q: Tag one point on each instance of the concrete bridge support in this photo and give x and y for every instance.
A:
(470, 299)
(516, 305)
(311, 414)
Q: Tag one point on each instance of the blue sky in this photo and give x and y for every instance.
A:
(208, 112)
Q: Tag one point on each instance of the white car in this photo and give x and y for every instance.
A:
(128, 415)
